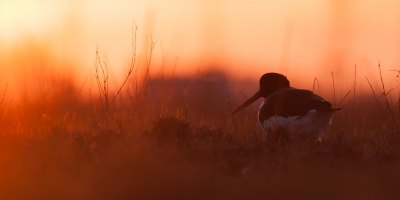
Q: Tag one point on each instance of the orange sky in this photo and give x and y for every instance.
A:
(304, 39)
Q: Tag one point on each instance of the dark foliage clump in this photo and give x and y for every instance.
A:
(171, 131)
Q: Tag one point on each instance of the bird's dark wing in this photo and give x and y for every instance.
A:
(291, 102)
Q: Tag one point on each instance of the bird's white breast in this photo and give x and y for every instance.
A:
(312, 125)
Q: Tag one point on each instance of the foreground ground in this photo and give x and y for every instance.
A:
(172, 146)
(176, 159)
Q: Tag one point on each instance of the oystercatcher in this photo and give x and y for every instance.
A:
(301, 112)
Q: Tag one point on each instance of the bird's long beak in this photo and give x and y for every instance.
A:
(252, 99)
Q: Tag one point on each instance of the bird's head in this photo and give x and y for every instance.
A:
(269, 83)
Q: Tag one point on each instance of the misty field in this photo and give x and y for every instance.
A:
(175, 139)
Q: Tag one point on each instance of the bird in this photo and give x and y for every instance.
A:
(301, 112)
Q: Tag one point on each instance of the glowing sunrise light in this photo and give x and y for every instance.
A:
(302, 40)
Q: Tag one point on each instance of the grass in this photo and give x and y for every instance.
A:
(152, 149)
(176, 139)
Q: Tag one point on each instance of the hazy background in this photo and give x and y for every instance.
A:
(302, 39)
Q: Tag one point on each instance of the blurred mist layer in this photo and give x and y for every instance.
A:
(300, 39)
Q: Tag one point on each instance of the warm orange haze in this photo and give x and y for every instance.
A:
(304, 39)
(118, 99)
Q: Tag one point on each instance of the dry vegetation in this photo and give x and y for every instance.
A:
(157, 146)
(175, 139)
